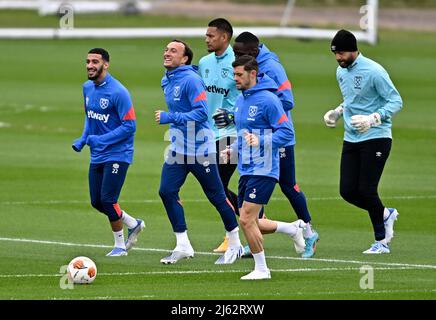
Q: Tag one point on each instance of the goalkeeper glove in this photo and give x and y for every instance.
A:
(223, 118)
(362, 123)
(332, 116)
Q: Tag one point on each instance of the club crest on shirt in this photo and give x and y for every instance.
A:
(225, 72)
(252, 111)
(104, 103)
(357, 82)
(176, 93)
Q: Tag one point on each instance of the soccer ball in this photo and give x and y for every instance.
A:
(82, 270)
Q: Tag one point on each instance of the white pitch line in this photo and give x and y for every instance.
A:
(175, 272)
(391, 264)
(56, 202)
(70, 244)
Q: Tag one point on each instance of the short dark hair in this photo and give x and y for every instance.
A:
(104, 54)
(248, 62)
(188, 51)
(247, 38)
(223, 25)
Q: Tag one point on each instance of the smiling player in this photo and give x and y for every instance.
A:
(110, 125)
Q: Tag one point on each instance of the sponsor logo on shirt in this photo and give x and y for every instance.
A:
(215, 89)
(98, 116)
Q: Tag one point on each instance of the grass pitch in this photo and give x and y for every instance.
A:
(46, 218)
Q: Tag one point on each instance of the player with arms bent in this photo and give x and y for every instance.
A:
(217, 73)
(269, 63)
(370, 100)
(263, 128)
(110, 125)
(192, 150)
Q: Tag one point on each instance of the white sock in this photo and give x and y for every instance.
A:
(288, 228)
(233, 236)
(307, 231)
(260, 261)
(183, 242)
(384, 242)
(119, 239)
(128, 220)
(386, 213)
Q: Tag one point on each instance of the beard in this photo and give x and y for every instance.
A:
(346, 63)
(243, 85)
(97, 74)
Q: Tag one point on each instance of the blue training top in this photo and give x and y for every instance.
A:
(110, 121)
(185, 96)
(269, 64)
(259, 111)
